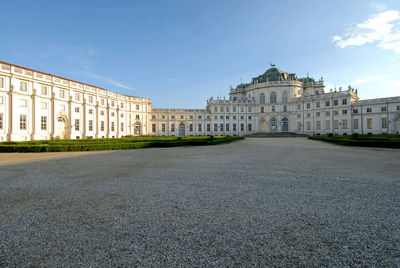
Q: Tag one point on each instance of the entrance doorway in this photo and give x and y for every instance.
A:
(136, 129)
(272, 124)
(61, 128)
(285, 125)
(181, 129)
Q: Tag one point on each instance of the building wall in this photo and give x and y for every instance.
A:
(54, 107)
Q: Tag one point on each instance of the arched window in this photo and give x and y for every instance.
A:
(272, 97)
(284, 96)
(262, 98)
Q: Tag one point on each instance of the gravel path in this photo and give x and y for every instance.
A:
(276, 202)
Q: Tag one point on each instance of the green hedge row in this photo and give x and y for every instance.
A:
(111, 144)
(392, 141)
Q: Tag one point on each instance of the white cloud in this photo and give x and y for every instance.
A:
(107, 80)
(383, 27)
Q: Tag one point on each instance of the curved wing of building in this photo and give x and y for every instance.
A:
(36, 105)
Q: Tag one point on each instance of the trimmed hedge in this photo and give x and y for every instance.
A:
(382, 141)
(111, 144)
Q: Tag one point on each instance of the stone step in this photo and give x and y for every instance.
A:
(275, 135)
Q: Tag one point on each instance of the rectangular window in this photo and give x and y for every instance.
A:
(23, 103)
(318, 114)
(191, 117)
(242, 109)
(384, 122)
(153, 117)
(76, 124)
(249, 127)
(221, 109)
(344, 111)
(298, 106)
(137, 117)
(102, 101)
(182, 117)
(122, 105)
(112, 126)
(215, 109)
(112, 103)
(383, 108)
(153, 127)
(163, 127)
(22, 122)
(308, 105)
(398, 107)
(284, 108)
(137, 107)
(190, 127)
(273, 108)
(249, 109)
(208, 127)
(241, 117)
(76, 109)
(122, 127)
(1, 82)
(90, 111)
(336, 124)
(227, 109)
(344, 123)
(77, 96)
(112, 114)
(102, 113)
(298, 115)
(90, 99)
(44, 90)
(43, 122)
(327, 103)
(1, 120)
(233, 127)
(172, 117)
(369, 123)
(241, 127)
(318, 125)
(62, 93)
(318, 104)
(199, 127)
(328, 124)
(221, 117)
(344, 101)
(172, 127)
(227, 127)
(308, 114)
(90, 125)
(249, 117)
(335, 102)
(23, 86)
(355, 123)
(355, 111)
(221, 127)
(234, 109)
(335, 112)
(215, 127)
(101, 125)
(227, 117)
(369, 110)
(327, 113)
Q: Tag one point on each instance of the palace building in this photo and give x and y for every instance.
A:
(37, 106)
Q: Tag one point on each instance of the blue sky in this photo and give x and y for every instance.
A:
(181, 52)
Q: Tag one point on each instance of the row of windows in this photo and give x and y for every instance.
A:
(227, 109)
(217, 127)
(172, 117)
(369, 109)
(272, 97)
(343, 124)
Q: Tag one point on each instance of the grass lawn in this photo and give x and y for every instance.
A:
(385, 141)
(112, 144)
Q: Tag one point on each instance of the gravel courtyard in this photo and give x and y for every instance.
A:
(261, 201)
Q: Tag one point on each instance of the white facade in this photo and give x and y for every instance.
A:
(39, 106)
(36, 106)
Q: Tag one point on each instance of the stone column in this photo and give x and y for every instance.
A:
(52, 115)
(69, 123)
(10, 111)
(97, 120)
(108, 121)
(117, 136)
(33, 114)
(83, 116)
